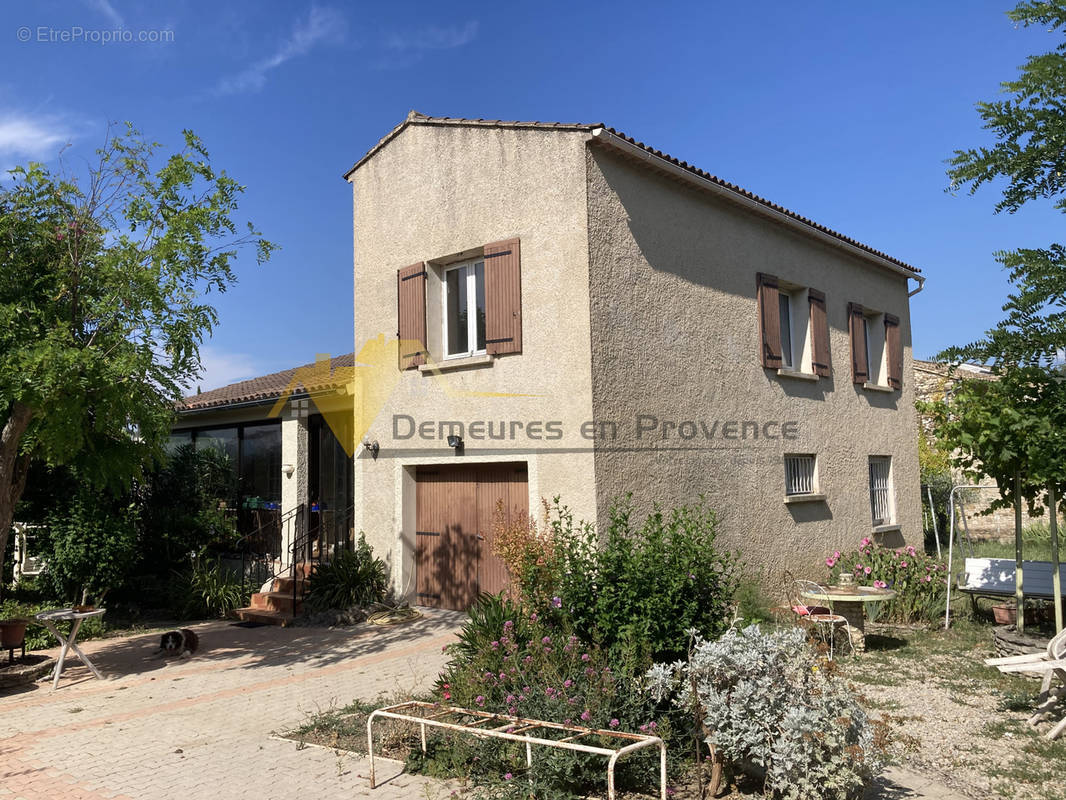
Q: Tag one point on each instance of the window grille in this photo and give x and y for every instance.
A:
(880, 489)
(799, 474)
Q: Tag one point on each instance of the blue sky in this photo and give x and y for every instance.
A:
(842, 112)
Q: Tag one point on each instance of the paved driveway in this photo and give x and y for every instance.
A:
(200, 728)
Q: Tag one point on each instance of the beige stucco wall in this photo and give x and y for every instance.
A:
(675, 334)
(434, 191)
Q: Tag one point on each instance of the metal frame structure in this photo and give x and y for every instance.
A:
(951, 541)
(516, 729)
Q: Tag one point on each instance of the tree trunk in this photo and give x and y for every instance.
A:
(13, 469)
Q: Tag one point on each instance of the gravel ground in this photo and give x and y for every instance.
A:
(954, 718)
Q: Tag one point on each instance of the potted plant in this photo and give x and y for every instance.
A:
(13, 632)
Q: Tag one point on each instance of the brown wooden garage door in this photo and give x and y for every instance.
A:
(454, 523)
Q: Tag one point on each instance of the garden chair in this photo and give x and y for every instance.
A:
(822, 615)
(1050, 664)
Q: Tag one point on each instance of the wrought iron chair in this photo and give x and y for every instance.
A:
(820, 615)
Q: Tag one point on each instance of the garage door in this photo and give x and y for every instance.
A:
(456, 507)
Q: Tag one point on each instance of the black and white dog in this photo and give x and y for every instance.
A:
(178, 643)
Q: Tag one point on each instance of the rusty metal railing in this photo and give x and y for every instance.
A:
(516, 729)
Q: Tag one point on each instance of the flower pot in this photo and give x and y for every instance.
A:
(1005, 614)
(12, 633)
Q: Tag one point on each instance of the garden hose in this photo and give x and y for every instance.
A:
(394, 615)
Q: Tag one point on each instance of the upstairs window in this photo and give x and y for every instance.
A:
(876, 348)
(479, 302)
(464, 310)
(793, 328)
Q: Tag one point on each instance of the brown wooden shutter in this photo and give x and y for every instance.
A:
(411, 315)
(820, 358)
(503, 298)
(895, 352)
(769, 321)
(860, 369)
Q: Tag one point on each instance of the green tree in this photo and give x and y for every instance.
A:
(1030, 157)
(102, 305)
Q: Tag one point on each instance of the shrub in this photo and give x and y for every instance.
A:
(768, 702)
(518, 663)
(211, 590)
(93, 546)
(919, 580)
(353, 578)
(637, 589)
(183, 511)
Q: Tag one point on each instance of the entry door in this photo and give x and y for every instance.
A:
(456, 511)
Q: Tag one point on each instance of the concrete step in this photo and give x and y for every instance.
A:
(281, 602)
(286, 584)
(263, 617)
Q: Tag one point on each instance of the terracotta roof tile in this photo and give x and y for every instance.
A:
(262, 388)
(415, 118)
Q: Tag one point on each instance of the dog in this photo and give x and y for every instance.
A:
(178, 643)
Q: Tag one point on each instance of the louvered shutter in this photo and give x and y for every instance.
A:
(769, 321)
(895, 352)
(860, 368)
(503, 298)
(411, 315)
(820, 358)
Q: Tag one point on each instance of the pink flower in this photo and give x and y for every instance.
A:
(903, 563)
(546, 640)
(508, 625)
(533, 617)
(880, 585)
(836, 554)
(479, 700)
(507, 776)
(928, 578)
(568, 683)
(613, 723)
(866, 540)
(585, 715)
(867, 570)
(584, 656)
(830, 562)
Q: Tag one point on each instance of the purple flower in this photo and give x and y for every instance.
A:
(533, 617)
(507, 776)
(557, 602)
(584, 656)
(585, 715)
(510, 700)
(613, 723)
(508, 625)
(479, 700)
(546, 640)
(568, 683)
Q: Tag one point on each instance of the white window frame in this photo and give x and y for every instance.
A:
(882, 491)
(876, 348)
(800, 352)
(801, 474)
(470, 269)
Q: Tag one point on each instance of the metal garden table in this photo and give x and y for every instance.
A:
(49, 619)
(850, 603)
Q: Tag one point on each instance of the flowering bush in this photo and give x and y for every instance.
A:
(522, 664)
(919, 580)
(636, 589)
(767, 701)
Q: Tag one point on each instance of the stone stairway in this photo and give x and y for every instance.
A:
(280, 605)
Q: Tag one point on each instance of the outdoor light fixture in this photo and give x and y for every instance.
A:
(372, 448)
(288, 469)
(455, 442)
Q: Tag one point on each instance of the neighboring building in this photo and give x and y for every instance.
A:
(594, 317)
(934, 382)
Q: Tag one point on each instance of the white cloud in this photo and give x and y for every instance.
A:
(26, 136)
(221, 368)
(404, 48)
(322, 25)
(108, 10)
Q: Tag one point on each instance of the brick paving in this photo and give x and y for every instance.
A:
(200, 727)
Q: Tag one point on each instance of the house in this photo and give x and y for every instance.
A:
(579, 314)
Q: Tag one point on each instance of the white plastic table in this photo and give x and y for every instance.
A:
(48, 620)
